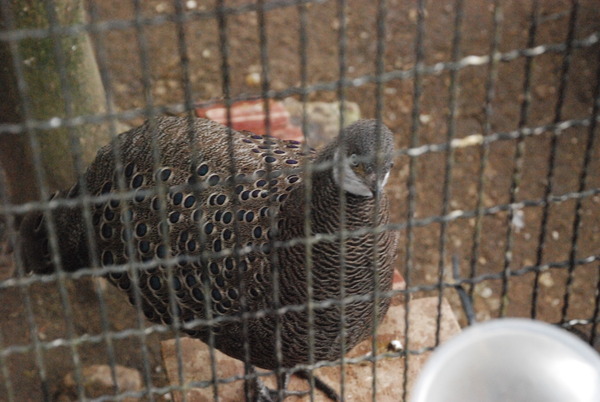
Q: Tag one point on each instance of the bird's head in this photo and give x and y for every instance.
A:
(368, 148)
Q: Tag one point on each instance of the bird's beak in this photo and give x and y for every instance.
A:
(375, 185)
(371, 182)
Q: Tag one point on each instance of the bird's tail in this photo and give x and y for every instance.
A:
(35, 249)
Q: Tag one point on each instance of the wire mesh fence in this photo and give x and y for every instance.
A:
(494, 194)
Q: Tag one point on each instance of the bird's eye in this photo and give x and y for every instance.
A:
(354, 160)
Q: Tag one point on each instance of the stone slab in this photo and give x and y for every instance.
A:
(196, 359)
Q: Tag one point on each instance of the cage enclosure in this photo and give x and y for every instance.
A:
(319, 191)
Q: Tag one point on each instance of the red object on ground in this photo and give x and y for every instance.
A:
(398, 281)
(250, 116)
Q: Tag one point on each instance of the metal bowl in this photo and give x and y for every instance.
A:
(511, 360)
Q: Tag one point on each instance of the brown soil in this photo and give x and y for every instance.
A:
(164, 72)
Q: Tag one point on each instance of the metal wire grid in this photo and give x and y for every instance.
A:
(416, 74)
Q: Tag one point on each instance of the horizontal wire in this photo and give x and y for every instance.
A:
(434, 69)
(451, 216)
(147, 21)
(115, 335)
(348, 361)
(468, 141)
(157, 20)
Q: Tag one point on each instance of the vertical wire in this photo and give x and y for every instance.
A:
(148, 113)
(264, 64)
(184, 58)
(520, 145)
(11, 236)
(273, 258)
(453, 110)
(379, 105)
(562, 87)
(579, 202)
(100, 51)
(490, 94)
(341, 94)
(226, 88)
(10, 393)
(591, 136)
(308, 170)
(484, 151)
(412, 177)
(117, 152)
(518, 166)
(596, 314)
(65, 88)
(40, 178)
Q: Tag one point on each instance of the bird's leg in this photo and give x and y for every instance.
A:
(283, 380)
(320, 385)
(259, 392)
(256, 390)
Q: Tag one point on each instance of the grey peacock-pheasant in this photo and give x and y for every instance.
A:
(231, 228)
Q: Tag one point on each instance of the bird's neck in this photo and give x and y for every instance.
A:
(328, 202)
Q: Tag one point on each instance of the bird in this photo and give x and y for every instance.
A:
(220, 225)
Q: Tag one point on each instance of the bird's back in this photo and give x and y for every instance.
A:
(215, 210)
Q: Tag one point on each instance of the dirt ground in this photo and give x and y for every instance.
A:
(158, 46)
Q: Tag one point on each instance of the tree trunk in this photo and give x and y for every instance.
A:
(44, 96)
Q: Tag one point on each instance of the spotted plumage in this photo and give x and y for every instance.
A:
(223, 226)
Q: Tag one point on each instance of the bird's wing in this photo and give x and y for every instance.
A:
(218, 212)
